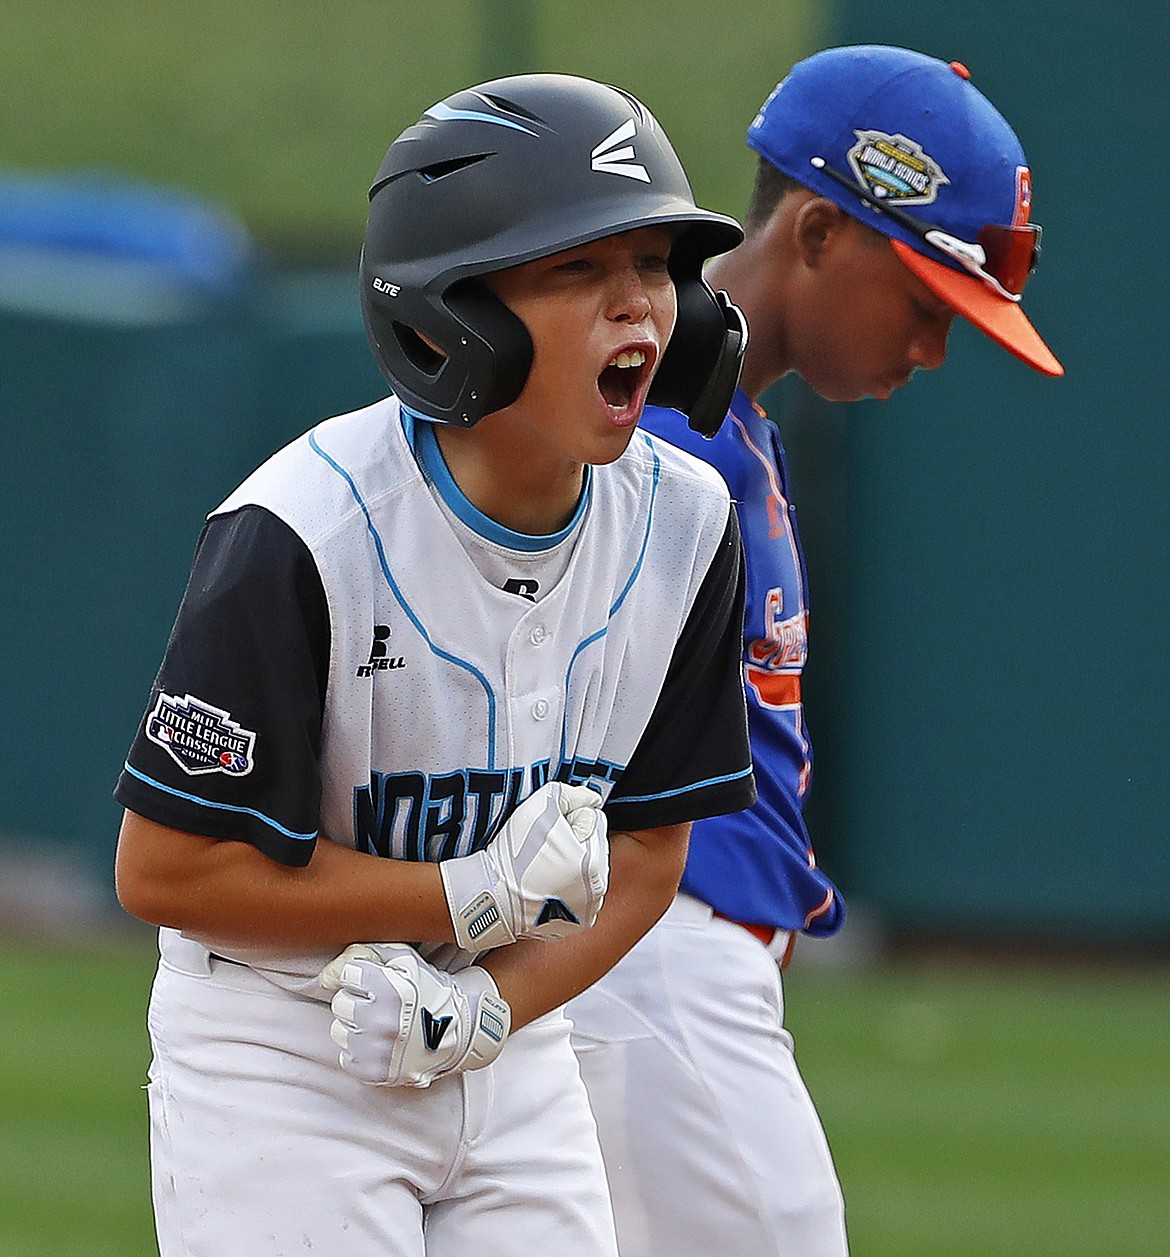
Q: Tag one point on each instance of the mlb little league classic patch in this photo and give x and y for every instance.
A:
(200, 738)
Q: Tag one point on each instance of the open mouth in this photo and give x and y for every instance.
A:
(624, 379)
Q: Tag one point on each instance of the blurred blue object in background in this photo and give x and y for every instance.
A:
(150, 358)
(92, 215)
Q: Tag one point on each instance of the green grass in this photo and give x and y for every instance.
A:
(282, 112)
(973, 1112)
(74, 1180)
(993, 1111)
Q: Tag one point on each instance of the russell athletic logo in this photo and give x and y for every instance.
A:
(522, 588)
(380, 659)
(613, 156)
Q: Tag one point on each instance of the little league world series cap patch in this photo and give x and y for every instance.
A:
(908, 145)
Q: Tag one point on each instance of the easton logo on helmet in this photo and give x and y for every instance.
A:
(608, 159)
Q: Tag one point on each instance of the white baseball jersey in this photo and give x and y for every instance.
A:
(363, 658)
(342, 669)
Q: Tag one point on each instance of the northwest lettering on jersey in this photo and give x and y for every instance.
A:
(426, 816)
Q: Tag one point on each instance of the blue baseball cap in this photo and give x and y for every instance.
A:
(908, 145)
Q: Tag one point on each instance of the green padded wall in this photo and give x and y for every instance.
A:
(989, 688)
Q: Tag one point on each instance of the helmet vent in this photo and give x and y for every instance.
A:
(510, 106)
(418, 353)
(441, 169)
(635, 104)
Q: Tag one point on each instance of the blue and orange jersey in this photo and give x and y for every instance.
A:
(757, 866)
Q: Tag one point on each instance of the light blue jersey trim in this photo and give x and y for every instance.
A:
(442, 654)
(409, 419)
(695, 785)
(646, 535)
(444, 113)
(434, 466)
(222, 807)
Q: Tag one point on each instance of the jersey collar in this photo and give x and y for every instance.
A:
(420, 434)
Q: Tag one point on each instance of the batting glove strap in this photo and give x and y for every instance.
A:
(401, 1022)
(481, 910)
(491, 1018)
(544, 875)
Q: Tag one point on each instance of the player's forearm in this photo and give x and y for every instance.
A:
(645, 869)
(232, 892)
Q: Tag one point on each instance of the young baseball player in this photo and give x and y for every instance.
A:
(890, 197)
(457, 669)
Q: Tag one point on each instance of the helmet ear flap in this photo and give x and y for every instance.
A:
(454, 384)
(506, 340)
(700, 370)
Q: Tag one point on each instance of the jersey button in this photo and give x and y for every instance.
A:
(540, 709)
(538, 635)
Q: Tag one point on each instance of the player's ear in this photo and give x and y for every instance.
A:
(816, 227)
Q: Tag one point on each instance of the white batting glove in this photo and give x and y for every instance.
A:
(400, 1022)
(544, 875)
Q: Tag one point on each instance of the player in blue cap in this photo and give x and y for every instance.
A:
(890, 196)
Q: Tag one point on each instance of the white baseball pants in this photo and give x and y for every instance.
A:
(710, 1138)
(261, 1145)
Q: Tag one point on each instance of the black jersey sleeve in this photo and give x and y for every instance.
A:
(694, 759)
(229, 746)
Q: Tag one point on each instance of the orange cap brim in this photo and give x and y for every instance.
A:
(977, 302)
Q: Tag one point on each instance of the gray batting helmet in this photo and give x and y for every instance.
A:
(507, 172)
